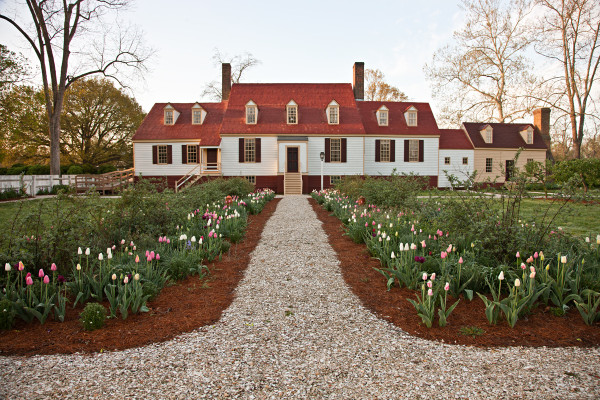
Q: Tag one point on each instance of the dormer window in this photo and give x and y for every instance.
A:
(487, 134)
(198, 114)
(382, 116)
(170, 115)
(251, 113)
(333, 113)
(292, 112)
(411, 116)
(527, 135)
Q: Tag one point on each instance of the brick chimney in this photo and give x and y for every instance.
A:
(541, 121)
(358, 82)
(225, 81)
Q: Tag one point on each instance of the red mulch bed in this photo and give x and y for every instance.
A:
(541, 328)
(183, 307)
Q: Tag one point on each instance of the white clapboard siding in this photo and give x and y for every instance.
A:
(456, 167)
(354, 157)
(301, 155)
(428, 167)
(142, 157)
(231, 166)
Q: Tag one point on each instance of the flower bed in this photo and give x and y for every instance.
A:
(414, 254)
(124, 275)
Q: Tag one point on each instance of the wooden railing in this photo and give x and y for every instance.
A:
(109, 182)
(200, 170)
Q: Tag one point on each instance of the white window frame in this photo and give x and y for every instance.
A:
(335, 150)
(465, 160)
(413, 150)
(447, 161)
(489, 135)
(169, 117)
(412, 118)
(529, 136)
(489, 165)
(292, 113)
(333, 113)
(385, 150)
(162, 155)
(251, 179)
(249, 150)
(192, 150)
(251, 113)
(197, 116)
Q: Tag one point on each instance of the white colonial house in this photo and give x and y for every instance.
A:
(285, 136)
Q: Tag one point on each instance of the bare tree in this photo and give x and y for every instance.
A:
(239, 64)
(569, 36)
(376, 88)
(483, 75)
(60, 29)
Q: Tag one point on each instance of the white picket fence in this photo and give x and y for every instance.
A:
(33, 183)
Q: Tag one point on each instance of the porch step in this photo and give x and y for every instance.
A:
(292, 183)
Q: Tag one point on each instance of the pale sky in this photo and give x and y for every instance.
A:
(304, 42)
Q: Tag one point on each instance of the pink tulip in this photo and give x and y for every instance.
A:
(122, 241)
(460, 260)
(424, 276)
(518, 255)
(536, 255)
(160, 239)
(28, 275)
(433, 276)
(532, 275)
(41, 273)
(530, 259)
(429, 284)
(137, 258)
(46, 279)
(444, 255)
(423, 244)
(29, 280)
(149, 259)
(430, 292)
(449, 249)
(447, 286)
(531, 269)
(53, 267)
(157, 256)
(168, 241)
(21, 266)
(523, 266)
(147, 253)
(152, 255)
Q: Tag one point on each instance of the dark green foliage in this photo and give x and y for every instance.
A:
(7, 314)
(180, 264)
(38, 170)
(75, 170)
(93, 316)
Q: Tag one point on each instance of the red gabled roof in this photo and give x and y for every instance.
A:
(426, 124)
(312, 100)
(454, 139)
(506, 136)
(153, 127)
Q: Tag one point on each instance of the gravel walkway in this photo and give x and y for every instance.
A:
(296, 331)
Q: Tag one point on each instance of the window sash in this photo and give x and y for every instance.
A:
(333, 115)
(383, 118)
(292, 115)
(488, 136)
(384, 150)
(488, 164)
(335, 150)
(197, 117)
(334, 179)
(192, 154)
(168, 117)
(412, 118)
(251, 179)
(249, 150)
(465, 160)
(251, 115)
(413, 150)
(529, 137)
(447, 160)
(163, 157)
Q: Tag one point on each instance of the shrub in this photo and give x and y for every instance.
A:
(75, 170)
(586, 169)
(7, 314)
(93, 316)
(3, 171)
(103, 169)
(38, 170)
(16, 170)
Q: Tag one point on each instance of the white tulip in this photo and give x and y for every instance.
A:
(7, 267)
(501, 276)
(87, 251)
(100, 257)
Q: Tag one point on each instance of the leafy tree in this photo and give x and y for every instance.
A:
(484, 75)
(570, 37)
(98, 123)
(63, 28)
(586, 169)
(539, 172)
(239, 64)
(13, 68)
(376, 88)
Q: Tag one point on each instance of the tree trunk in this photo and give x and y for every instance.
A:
(55, 143)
